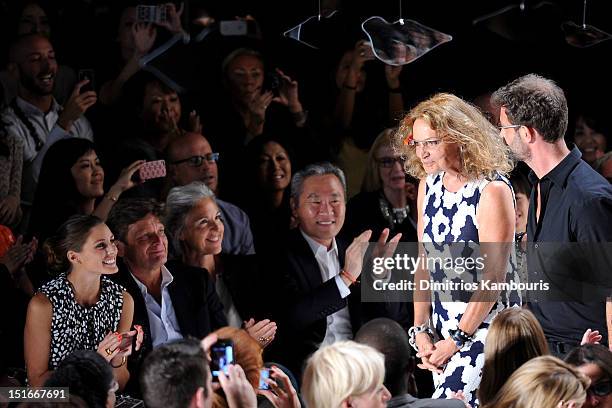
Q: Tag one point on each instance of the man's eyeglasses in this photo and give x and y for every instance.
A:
(196, 161)
(425, 143)
(600, 389)
(509, 127)
(388, 162)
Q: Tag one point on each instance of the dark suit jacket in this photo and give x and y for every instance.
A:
(196, 305)
(300, 302)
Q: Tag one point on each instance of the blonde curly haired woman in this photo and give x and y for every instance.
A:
(464, 197)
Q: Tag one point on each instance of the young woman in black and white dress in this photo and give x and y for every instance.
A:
(82, 308)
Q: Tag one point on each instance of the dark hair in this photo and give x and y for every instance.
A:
(171, 374)
(87, 374)
(520, 184)
(592, 354)
(70, 236)
(388, 337)
(537, 102)
(129, 211)
(255, 148)
(57, 196)
(136, 88)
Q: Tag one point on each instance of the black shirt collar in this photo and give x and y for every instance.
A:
(561, 172)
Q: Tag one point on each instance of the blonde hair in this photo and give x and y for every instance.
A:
(483, 151)
(371, 179)
(339, 371)
(544, 382)
(514, 337)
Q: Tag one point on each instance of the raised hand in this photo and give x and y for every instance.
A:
(77, 105)
(238, 391)
(144, 38)
(288, 93)
(281, 397)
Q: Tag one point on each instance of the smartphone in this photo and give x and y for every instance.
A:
(151, 14)
(222, 355)
(264, 374)
(237, 27)
(152, 169)
(89, 74)
(272, 82)
(126, 340)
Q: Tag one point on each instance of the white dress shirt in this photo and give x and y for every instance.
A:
(47, 130)
(339, 323)
(162, 319)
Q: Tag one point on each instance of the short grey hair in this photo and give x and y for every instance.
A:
(179, 202)
(240, 52)
(537, 102)
(317, 169)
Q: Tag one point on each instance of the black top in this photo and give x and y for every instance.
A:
(364, 211)
(576, 206)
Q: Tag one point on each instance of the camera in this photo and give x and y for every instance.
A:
(237, 27)
(88, 74)
(151, 14)
(222, 355)
(272, 82)
(264, 374)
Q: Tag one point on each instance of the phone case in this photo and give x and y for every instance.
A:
(154, 169)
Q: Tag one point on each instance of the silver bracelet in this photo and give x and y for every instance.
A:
(414, 330)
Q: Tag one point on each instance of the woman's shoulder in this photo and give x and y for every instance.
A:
(54, 286)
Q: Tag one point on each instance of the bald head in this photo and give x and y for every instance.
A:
(192, 146)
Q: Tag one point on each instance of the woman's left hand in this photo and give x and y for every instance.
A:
(288, 93)
(263, 331)
(443, 352)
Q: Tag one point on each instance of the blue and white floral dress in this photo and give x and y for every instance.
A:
(450, 217)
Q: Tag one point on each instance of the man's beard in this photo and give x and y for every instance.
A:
(519, 150)
(29, 83)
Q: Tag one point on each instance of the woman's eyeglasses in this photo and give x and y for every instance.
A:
(196, 161)
(388, 162)
(425, 143)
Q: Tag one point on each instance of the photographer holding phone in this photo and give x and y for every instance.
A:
(136, 38)
(82, 308)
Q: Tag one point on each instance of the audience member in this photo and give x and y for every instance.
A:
(195, 228)
(32, 17)
(82, 308)
(190, 158)
(312, 285)
(471, 195)
(177, 375)
(11, 167)
(391, 340)
(87, 375)
(360, 112)
(543, 381)
(603, 166)
(168, 304)
(270, 162)
(590, 138)
(34, 116)
(567, 204)
(383, 201)
(72, 182)
(514, 337)
(345, 374)
(522, 191)
(594, 361)
(136, 38)
(248, 355)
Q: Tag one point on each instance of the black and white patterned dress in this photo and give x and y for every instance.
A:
(76, 327)
(451, 218)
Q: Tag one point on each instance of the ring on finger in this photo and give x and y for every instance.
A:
(108, 351)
